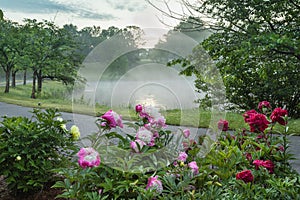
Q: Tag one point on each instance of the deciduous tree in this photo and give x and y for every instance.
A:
(9, 48)
(256, 46)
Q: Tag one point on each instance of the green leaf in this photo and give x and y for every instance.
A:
(59, 184)
(1, 15)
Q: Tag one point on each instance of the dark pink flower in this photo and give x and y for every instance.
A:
(263, 104)
(138, 108)
(248, 156)
(258, 163)
(113, 119)
(268, 164)
(248, 114)
(154, 184)
(278, 114)
(257, 122)
(223, 125)
(245, 176)
(88, 157)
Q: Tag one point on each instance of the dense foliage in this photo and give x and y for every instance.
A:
(48, 51)
(257, 51)
(255, 45)
(40, 47)
(249, 164)
(31, 148)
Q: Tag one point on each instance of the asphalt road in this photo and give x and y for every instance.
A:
(87, 126)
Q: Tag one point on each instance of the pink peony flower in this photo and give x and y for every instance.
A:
(257, 122)
(263, 104)
(113, 119)
(145, 135)
(147, 111)
(186, 133)
(268, 164)
(134, 145)
(258, 163)
(248, 114)
(88, 157)
(138, 108)
(245, 176)
(153, 116)
(154, 184)
(277, 116)
(223, 125)
(160, 122)
(194, 167)
(148, 126)
(182, 156)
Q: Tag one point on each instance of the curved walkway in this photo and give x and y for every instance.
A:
(87, 125)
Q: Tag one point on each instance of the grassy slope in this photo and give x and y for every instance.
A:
(56, 95)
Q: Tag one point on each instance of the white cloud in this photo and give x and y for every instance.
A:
(129, 5)
(83, 13)
(86, 9)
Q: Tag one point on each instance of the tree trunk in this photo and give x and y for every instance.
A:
(7, 77)
(24, 77)
(13, 78)
(40, 81)
(33, 91)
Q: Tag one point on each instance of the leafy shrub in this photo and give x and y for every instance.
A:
(31, 148)
(248, 164)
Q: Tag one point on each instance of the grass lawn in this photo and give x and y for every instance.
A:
(56, 95)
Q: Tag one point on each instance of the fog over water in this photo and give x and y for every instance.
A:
(149, 84)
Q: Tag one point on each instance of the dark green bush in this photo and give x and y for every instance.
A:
(31, 148)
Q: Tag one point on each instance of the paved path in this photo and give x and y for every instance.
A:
(87, 125)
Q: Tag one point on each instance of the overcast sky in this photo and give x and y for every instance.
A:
(103, 13)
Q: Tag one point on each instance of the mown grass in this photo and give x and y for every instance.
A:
(57, 95)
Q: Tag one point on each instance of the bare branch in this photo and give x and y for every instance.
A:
(296, 5)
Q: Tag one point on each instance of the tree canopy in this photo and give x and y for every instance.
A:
(256, 46)
(9, 48)
(51, 52)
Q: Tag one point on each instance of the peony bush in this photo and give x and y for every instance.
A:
(252, 163)
(30, 149)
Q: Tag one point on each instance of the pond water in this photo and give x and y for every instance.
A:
(147, 84)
